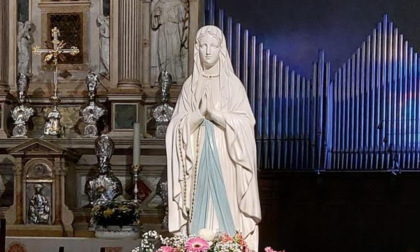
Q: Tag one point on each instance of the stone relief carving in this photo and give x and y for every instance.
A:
(39, 171)
(103, 24)
(24, 42)
(105, 186)
(93, 111)
(21, 113)
(39, 207)
(170, 21)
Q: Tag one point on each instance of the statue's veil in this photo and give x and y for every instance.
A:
(226, 70)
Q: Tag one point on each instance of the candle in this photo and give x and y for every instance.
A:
(136, 145)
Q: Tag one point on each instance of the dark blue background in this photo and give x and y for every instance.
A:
(296, 30)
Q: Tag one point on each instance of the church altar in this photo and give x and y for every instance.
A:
(121, 44)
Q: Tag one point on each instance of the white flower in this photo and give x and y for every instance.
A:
(206, 234)
(136, 249)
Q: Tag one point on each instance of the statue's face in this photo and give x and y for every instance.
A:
(209, 50)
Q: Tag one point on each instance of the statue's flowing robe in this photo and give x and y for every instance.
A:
(104, 45)
(171, 53)
(236, 150)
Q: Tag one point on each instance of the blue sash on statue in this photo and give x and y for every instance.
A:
(210, 185)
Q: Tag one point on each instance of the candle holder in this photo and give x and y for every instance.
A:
(136, 178)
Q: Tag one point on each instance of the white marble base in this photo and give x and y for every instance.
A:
(116, 232)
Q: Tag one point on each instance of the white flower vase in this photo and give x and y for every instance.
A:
(117, 232)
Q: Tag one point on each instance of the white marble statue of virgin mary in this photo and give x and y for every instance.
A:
(210, 143)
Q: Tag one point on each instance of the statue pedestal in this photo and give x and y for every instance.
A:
(117, 232)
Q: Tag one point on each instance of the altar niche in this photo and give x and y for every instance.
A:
(40, 172)
(72, 20)
(71, 31)
(38, 182)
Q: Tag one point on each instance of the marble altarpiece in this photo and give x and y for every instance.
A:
(130, 79)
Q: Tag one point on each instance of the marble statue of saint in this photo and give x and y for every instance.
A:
(103, 24)
(24, 42)
(168, 19)
(211, 150)
(39, 207)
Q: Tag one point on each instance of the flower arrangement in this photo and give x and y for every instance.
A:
(206, 241)
(116, 213)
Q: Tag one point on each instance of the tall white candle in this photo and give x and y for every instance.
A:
(136, 144)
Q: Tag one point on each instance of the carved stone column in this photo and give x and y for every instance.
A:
(4, 29)
(57, 190)
(14, 215)
(129, 44)
(19, 190)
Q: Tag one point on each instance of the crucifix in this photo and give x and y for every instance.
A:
(55, 52)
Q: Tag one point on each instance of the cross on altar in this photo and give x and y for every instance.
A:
(53, 125)
(54, 53)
